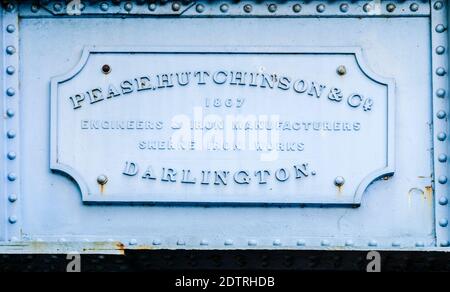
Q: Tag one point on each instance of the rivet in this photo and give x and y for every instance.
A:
(11, 155)
(180, 242)
(344, 7)
(272, 8)
(252, 243)
(372, 243)
(248, 8)
(396, 244)
(441, 114)
(420, 244)
(297, 8)
(10, 50)
(440, 71)
(443, 201)
(442, 179)
(10, 28)
(414, 7)
(176, 6)
(313, 172)
(341, 70)
(224, 8)
(390, 7)
(10, 91)
(301, 243)
(204, 242)
(228, 242)
(320, 8)
(442, 136)
(339, 181)
(440, 28)
(10, 7)
(367, 7)
(10, 113)
(104, 6)
(11, 134)
(445, 243)
(200, 8)
(12, 198)
(349, 243)
(443, 222)
(128, 6)
(156, 242)
(57, 7)
(438, 5)
(325, 243)
(133, 241)
(152, 6)
(442, 158)
(277, 242)
(12, 176)
(10, 70)
(106, 69)
(440, 50)
(12, 219)
(102, 179)
(440, 92)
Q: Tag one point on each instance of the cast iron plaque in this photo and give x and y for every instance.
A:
(220, 125)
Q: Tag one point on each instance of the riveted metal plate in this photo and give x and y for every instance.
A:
(96, 94)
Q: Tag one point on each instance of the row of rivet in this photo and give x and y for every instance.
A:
(368, 8)
(10, 45)
(440, 123)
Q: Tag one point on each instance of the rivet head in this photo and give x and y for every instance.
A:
(420, 244)
(10, 70)
(367, 7)
(441, 136)
(373, 243)
(200, 8)
(248, 8)
(10, 50)
(156, 242)
(10, 113)
(442, 158)
(341, 70)
(11, 134)
(12, 176)
(252, 243)
(297, 8)
(325, 243)
(34, 8)
(443, 201)
(10, 28)
(396, 244)
(128, 6)
(414, 7)
(440, 50)
(390, 7)
(133, 241)
(181, 242)
(445, 243)
(339, 181)
(344, 7)
(442, 179)
(301, 243)
(277, 242)
(228, 242)
(440, 28)
(11, 155)
(152, 6)
(104, 6)
(443, 222)
(320, 8)
(272, 8)
(441, 114)
(10, 91)
(438, 5)
(440, 92)
(176, 6)
(12, 198)
(204, 242)
(106, 69)
(12, 219)
(102, 179)
(349, 243)
(57, 7)
(440, 71)
(224, 8)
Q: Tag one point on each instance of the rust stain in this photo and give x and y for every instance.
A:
(102, 188)
(429, 195)
(340, 189)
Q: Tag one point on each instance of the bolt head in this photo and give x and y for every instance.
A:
(341, 70)
(390, 7)
(272, 8)
(320, 8)
(102, 179)
(200, 8)
(224, 8)
(297, 8)
(176, 6)
(414, 7)
(344, 7)
(248, 8)
(339, 181)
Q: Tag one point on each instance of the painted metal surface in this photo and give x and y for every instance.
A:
(69, 184)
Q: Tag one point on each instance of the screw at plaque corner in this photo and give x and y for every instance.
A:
(102, 179)
(106, 69)
(339, 181)
(341, 70)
